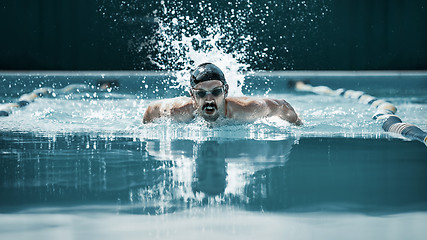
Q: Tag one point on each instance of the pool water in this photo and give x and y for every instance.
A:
(82, 165)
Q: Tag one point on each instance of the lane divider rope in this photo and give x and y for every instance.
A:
(385, 111)
(7, 108)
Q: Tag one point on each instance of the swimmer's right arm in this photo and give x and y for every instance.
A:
(152, 112)
(179, 109)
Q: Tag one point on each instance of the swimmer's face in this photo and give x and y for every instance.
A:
(209, 99)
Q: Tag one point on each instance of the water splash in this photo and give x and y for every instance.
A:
(238, 36)
(182, 44)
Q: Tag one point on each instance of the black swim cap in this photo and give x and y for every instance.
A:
(206, 72)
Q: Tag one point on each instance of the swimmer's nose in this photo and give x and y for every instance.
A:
(209, 96)
(209, 101)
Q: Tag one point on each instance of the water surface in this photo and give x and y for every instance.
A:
(83, 165)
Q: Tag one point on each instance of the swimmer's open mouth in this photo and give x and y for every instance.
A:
(209, 108)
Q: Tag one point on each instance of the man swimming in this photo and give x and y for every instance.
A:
(208, 99)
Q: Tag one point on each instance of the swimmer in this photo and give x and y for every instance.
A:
(208, 99)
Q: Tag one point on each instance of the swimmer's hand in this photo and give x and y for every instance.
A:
(287, 112)
(151, 113)
(290, 115)
(298, 122)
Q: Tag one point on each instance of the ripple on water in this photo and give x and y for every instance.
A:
(322, 116)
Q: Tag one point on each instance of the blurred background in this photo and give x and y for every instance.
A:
(283, 35)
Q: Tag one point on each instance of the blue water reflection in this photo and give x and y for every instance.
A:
(142, 176)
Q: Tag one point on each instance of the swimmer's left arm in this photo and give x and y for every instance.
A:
(251, 109)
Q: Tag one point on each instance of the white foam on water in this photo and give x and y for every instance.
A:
(214, 223)
(323, 116)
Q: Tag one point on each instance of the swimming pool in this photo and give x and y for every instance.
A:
(81, 164)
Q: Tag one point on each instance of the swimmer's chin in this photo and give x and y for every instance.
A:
(210, 118)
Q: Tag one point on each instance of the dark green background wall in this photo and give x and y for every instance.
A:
(98, 35)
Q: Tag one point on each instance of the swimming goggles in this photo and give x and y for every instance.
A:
(201, 93)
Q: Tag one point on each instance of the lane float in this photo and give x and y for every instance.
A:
(7, 108)
(385, 111)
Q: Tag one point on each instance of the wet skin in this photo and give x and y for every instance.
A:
(212, 106)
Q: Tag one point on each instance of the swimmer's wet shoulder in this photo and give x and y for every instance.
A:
(252, 109)
(179, 109)
(209, 100)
